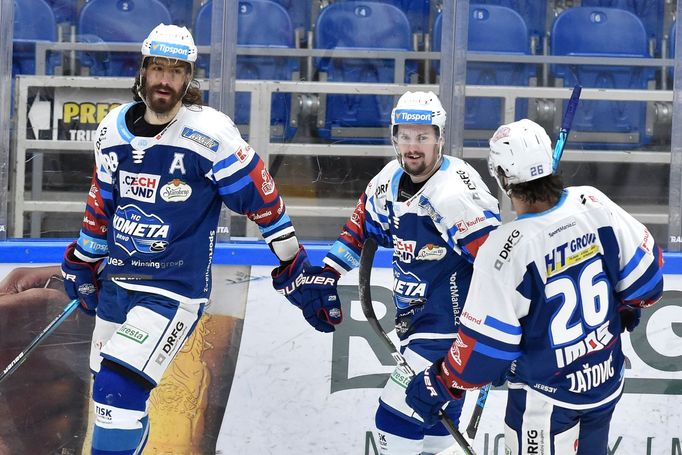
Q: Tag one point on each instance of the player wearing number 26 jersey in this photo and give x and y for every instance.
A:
(550, 295)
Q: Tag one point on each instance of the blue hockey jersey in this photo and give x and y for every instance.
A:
(545, 294)
(435, 235)
(154, 202)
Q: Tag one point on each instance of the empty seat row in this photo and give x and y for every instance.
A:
(611, 32)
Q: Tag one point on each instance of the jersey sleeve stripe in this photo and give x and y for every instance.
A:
(489, 214)
(373, 212)
(644, 290)
(502, 326)
(269, 230)
(632, 264)
(496, 353)
(235, 187)
(106, 194)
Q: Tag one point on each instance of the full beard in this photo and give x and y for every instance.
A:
(162, 105)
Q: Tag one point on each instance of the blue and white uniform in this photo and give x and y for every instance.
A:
(153, 210)
(544, 300)
(435, 235)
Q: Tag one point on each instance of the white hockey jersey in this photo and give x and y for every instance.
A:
(435, 235)
(545, 294)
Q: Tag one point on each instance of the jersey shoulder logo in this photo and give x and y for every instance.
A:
(200, 138)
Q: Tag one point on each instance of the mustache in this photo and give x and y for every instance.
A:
(167, 88)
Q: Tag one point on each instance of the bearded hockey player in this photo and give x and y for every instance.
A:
(434, 212)
(164, 167)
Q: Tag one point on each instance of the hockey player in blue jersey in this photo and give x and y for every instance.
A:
(434, 212)
(550, 295)
(164, 167)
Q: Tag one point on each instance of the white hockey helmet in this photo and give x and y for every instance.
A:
(522, 150)
(172, 42)
(418, 108)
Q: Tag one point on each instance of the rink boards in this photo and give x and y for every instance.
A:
(256, 379)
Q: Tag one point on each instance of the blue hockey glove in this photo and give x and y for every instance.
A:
(312, 289)
(427, 394)
(81, 279)
(629, 318)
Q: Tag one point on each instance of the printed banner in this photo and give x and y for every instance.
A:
(297, 391)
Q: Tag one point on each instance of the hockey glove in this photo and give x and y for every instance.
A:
(312, 289)
(427, 394)
(629, 318)
(81, 279)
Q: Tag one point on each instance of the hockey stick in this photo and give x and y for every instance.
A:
(23, 355)
(366, 259)
(566, 126)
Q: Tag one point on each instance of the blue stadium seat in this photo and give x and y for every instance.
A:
(111, 21)
(367, 26)
(417, 12)
(534, 13)
(180, 11)
(604, 32)
(65, 11)
(299, 12)
(33, 22)
(262, 23)
(492, 30)
(651, 12)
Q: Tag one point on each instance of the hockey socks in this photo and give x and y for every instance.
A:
(121, 425)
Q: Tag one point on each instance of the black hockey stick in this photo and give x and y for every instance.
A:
(23, 355)
(366, 259)
(566, 126)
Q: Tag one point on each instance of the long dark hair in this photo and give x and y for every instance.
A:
(545, 189)
(193, 95)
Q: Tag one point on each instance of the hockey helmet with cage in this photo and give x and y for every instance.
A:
(522, 151)
(172, 42)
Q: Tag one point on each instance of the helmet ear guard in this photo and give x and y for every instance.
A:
(522, 150)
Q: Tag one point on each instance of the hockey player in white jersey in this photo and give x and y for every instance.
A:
(550, 295)
(434, 212)
(164, 167)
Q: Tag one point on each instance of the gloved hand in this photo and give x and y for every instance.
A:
(312, 289)
(427, 394)
(629, 317)
(81, 279)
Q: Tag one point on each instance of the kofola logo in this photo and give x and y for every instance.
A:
(412, 116)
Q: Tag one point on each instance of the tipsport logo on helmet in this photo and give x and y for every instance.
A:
(161, 49)
(412, 116)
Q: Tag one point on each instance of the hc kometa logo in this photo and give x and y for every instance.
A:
(169, 50)
(412, 116)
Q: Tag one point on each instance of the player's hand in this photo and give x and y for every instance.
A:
(427, 394)
(81, 279)
(312, 289)
(629, 318)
